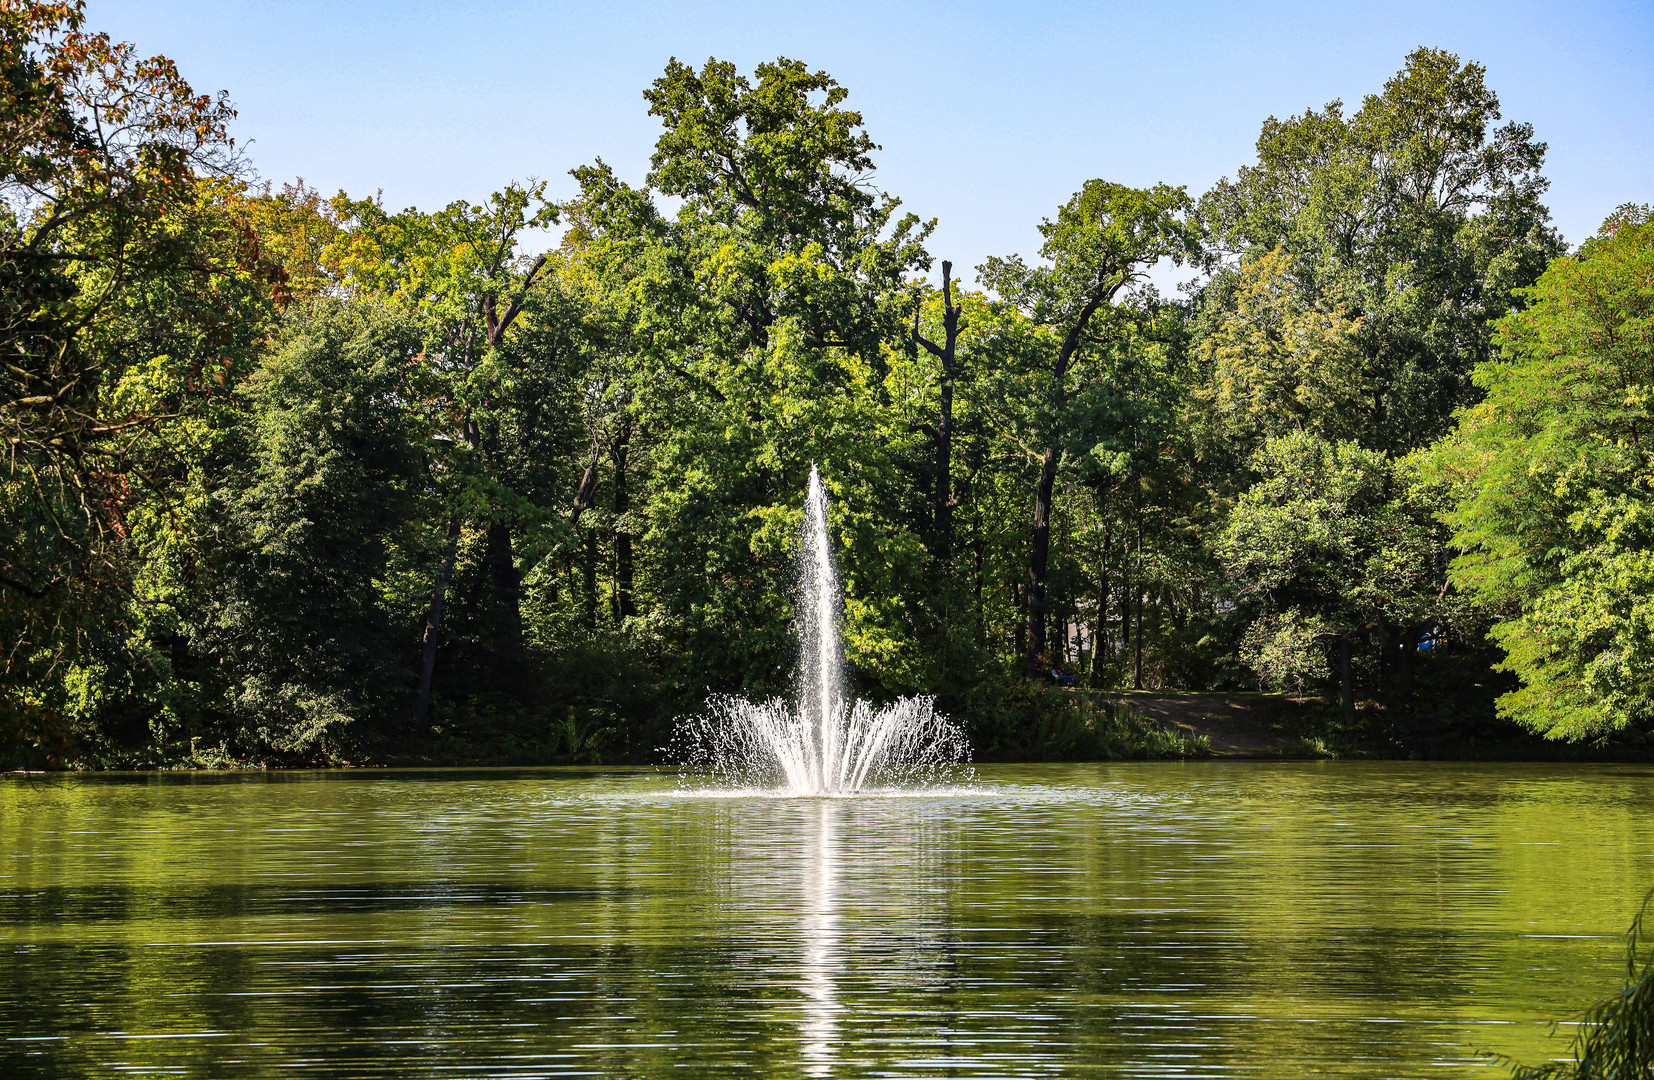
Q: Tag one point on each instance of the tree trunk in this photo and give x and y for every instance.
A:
(584, 495)
(1346, 679)
(1020, 634)
(1137, 593)
(1101, 633)
(624, 607)
(944, 473)
(498, 581)
(1137, 671)
(588, 597)
(433, 629)
(944, 425)
(1041, 547)
(1126, 582)
(978, 551)
(507, 589)
(947, 354)
(1037, 562)
(1404, 666)
(1385, 658)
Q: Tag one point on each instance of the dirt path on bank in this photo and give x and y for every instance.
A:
(1236, 725)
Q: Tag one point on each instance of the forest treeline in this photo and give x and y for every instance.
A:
(296, 479)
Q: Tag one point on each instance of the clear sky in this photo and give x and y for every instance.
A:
(989, 115)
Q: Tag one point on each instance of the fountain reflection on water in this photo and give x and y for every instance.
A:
(820, 744)
(822, 958)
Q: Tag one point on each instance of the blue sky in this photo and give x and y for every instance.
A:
(989, 115)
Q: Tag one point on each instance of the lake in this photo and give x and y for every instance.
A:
(1207, 919)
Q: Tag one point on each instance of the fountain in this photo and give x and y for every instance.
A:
(820, 744)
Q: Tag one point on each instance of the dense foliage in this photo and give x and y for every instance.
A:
(1555, 475)
(295, 479)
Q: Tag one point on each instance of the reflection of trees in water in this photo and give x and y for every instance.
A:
(842, 937)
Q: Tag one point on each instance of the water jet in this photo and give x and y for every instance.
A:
(819, 743)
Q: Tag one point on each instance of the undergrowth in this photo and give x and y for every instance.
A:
(1032, 722)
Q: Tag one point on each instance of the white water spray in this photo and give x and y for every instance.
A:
(823, 745)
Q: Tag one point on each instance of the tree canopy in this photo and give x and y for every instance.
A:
(1555, 479)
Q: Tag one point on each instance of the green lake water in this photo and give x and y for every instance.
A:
(1133, 920)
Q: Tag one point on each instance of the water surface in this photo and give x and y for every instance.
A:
(1134, 920)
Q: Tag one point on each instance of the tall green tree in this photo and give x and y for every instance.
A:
(1420, 216)
(332, 471)
(128, 290)
(1333, 539)
(1280, 361)
(761, 312)
(1554, 477)
(1103, 241)
(501, 347)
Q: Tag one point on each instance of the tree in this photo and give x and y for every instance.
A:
(460, 270)
(127, 290)
(1281, 361)
(1104, 240)
(1333, 539)
(1553, 474)
(97, 147)
(332, 473)
(1370, 253)
(1417, 216)
(758, 321)
(941, 433)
